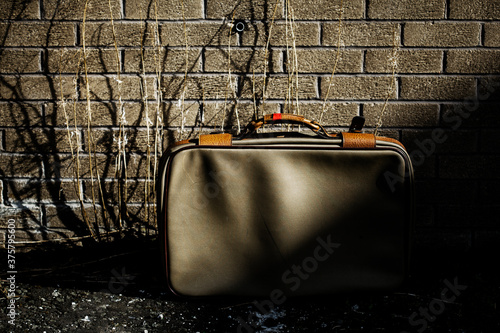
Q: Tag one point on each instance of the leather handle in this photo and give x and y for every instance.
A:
(286, 118)
(352, 139)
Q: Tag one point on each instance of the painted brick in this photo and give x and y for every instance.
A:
(442, 34)
(489, 141)
(165, 10)
(23, 217)
(437, 88)
(447, 192)
(487, 239)
(106, 87)
(328, 10)
(20, 165)
(71, 61)
(165, 61)
(61, 166)
(215, 113)
(466, 215)
(242, 61)
(361, 34)
(424, 215)
(492, 34)
(19, 9)
(27, 239)
(438, 141)
(127, 34)
(389, 133)
(470, 115)
(38, 140)
(142, 220)
(451, 240)
(37, 34)
(30, 68)
(35, 87)
(105, 114)
(40, 191)
(402, 115)
(333, 114)
(211, 87)
(198, 34)
(423, 167)
(138, 164)
(306, 34)
(473, 61)
(245, 9)
(106, 141)
(323, 61)
(172, 114)
(175, 114)
(407, 9)
(72, 218)
(20, 114)
(489, 192)
(113, 193)
(489, 89)
(361, 87)
(408, 61)
(20, 61)
(475, 10)
(468, 167)
(74, 10)
(67, 217)
(277, 87)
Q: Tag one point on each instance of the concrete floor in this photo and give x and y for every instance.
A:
(119, 288)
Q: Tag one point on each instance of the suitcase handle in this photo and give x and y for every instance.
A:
(286, 118)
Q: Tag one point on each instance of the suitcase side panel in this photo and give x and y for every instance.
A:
(240, 219)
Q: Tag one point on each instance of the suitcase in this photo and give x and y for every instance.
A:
(285, 213)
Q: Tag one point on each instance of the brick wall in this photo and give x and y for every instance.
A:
(443, 105)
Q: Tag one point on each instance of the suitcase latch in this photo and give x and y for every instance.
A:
(357, 124)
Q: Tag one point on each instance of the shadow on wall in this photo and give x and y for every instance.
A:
(67, 178)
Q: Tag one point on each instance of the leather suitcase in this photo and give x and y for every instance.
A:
(285, 213)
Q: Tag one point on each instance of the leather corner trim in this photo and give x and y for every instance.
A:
(178, 143)
(383, 138)
(224, 139)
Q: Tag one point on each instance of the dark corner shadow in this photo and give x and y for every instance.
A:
(479, 117)
(128, 266)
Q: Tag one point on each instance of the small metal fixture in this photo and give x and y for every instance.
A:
(239, 26)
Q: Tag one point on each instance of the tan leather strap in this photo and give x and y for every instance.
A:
(224, 139)
(358, 140)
